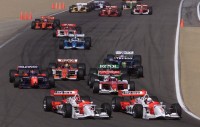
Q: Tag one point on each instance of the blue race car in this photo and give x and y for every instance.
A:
(75, 41)
(128, 62)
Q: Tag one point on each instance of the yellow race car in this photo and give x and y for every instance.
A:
(81, 7)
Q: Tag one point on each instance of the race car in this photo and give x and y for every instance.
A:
(142, 9)
(111, 84)
(31, 77)
(66, 29)
(128, 4)
(111, 11)
(102, 72)
(128, 62)
(75, 41)
(46, 22)
(67, 69)
(75, 106)
(99, 4)
(81, 7)
(141, 105)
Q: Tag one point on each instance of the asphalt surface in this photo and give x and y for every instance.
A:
(151, 36)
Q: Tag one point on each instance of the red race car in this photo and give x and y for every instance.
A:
(111, 84)
(142, 9)
(141, 105)
(75, 106)
(112, 11)
(66, 29)
(46, 22)
(67, 69)
(31, 77)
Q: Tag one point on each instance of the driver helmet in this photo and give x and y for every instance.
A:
(45, 20)
(67, 65)
(32, 72)
(149, 100)
(77, 97)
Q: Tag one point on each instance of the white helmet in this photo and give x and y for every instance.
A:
(149, 100)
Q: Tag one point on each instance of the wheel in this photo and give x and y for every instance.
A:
(87, 45)
(176, 108)
(33, 24)
(56, 23)
(86, 98)
(12, 75)
(139, 72)
(96, 87)
(93, 71)
(116, 106)
(132, 86)
(125, 77)
(137, 59)
(89, 40)
(106, 107)
(78, 30)
(51, 82)
(110, 57)
(120, 13)
(80, 74)
(47, 103)
(150, 10)
(54, 33)
(17, 82)
(82, 66)
(138, 111)
(61, 45)
(92, 80)
(67, 110)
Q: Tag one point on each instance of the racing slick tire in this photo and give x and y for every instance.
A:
(86, 98)
(87, 44)
(51, 82)
(54, 33)
(33, 24)
(93, 71)
(119, 13)
(106, 107)
(47, 103)
(96, 87)
(92, 80)
(56, 23)
(61, 45)
(116, 106)
(150, 10)
(82, 66)
(137, 59)
(78, 29)
(138, 111)
(139, 72)
(67, 111)
(110, 57)
(125, 77)
(176, 108)
(132, 86)
(80, 74)
(12, 75)
(89, 40)
(17, 82)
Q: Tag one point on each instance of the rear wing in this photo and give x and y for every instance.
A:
(72, 25)
(131, 1)
(99, 1)
(123, 93)
(111, 6)
(67, 60)
(28, 67)
(124, 52)
(108, 66)
(63, 93)
(77, 35)
(48, 17)
(81, 4)
(109, 72)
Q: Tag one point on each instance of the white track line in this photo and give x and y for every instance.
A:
(176, 67)
(18, 34)
(198, 13)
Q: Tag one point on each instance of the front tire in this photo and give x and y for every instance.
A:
(47, 103)
(106, 107)
(67, 111)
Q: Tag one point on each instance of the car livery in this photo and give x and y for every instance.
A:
(142, 9)
(110, 11)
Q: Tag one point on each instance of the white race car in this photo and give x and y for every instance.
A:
(74, 106)
(145, 106)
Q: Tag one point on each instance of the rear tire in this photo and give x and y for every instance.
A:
(47, 103)
(51, 82)
(96, 87)
(12, 75)
(87, 45)
(33, 24)
(82, 66)
(80, 74)
(56, 23)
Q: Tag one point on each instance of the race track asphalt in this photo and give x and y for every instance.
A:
(151, 36)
